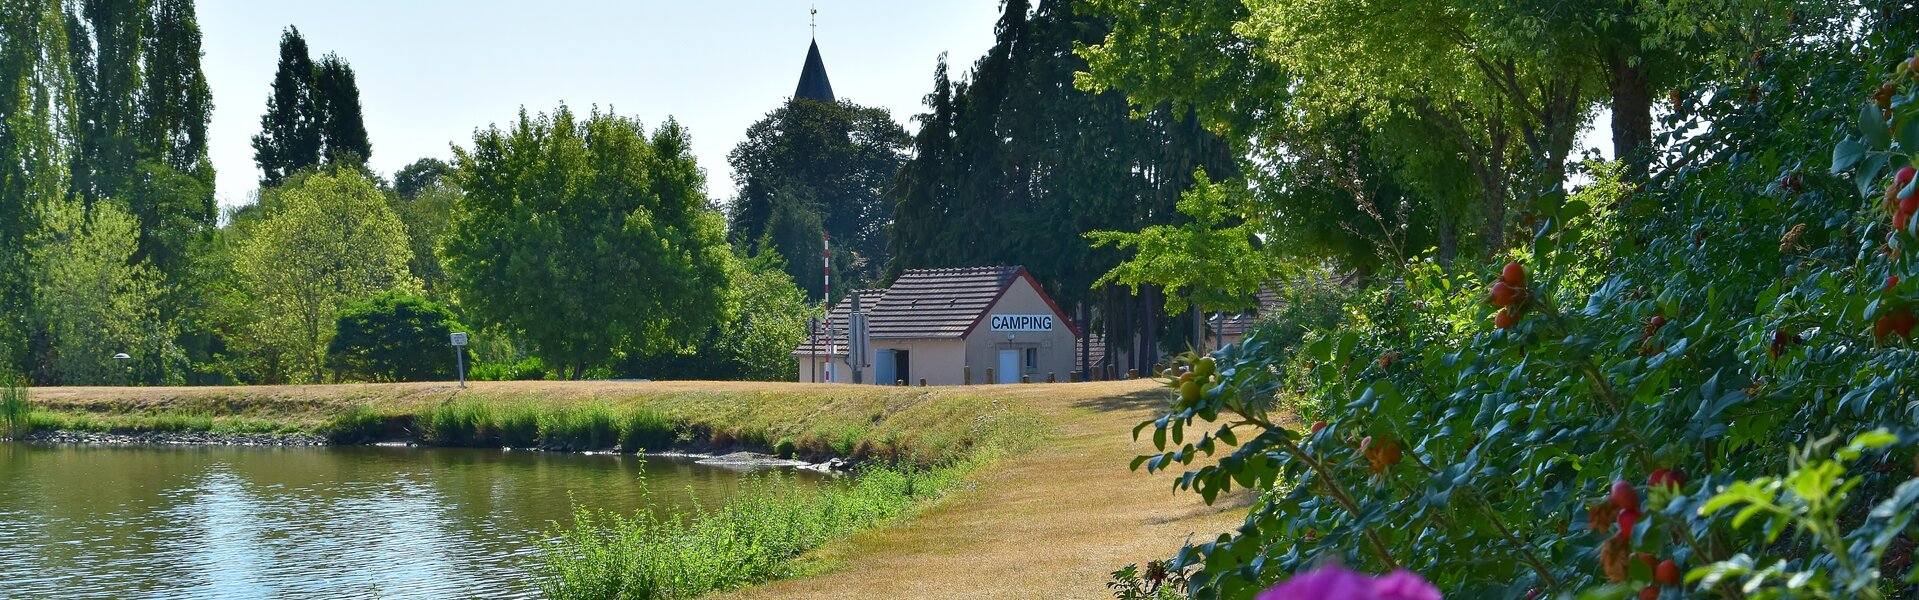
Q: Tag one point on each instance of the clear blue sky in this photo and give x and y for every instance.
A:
(432, 72)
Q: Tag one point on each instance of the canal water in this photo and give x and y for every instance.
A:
(345, 522)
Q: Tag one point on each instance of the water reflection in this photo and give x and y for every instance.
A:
(210, 522)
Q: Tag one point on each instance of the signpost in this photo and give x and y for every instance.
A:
(459, 356)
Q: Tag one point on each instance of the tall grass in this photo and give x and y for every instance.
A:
(15, 411)
(358, 425)
(750, 539)
(524, 425)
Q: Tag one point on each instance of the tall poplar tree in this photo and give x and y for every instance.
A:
(35, 95)
(337, 103)
(289, 137)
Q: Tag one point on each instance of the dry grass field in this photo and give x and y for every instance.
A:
(1049, 521)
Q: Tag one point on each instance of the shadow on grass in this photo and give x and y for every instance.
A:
(1153, 399)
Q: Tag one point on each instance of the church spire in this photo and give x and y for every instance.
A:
(813, 82)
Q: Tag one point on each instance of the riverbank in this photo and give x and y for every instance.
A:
(810, 422)
(1050, 512)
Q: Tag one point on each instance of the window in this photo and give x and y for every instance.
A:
(1032, 358)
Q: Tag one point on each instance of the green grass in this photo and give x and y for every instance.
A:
(752, 538)
(42, 420)
(592, 427)
(14, 408)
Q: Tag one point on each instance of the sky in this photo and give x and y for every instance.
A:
(430, 73)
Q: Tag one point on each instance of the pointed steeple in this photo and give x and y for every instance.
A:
(813, 83)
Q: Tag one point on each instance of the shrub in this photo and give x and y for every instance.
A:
(785, 448)
(1710, 324)
(394, 337)
(460, 423)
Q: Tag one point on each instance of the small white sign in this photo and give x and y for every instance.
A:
(459, 339)
(1022, 322)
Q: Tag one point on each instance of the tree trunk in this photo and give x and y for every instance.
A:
(1448, 242)
(1631, 112)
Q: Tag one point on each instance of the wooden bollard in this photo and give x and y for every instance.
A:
(922, 382)
(1050, 378)
(1132, 373)
(1024, 378)
(966, 375)
(899, 382)
(989, 376)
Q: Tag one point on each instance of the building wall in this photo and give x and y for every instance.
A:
(1057, 348)
(939, 362)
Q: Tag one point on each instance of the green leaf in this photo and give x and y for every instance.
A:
(1846, 154)
(1873, 126)
(1908, 135)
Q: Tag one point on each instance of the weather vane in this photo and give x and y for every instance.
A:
(814, 20)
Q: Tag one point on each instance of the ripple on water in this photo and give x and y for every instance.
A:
(219, 523)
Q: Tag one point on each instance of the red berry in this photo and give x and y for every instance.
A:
(1318, 425)
(1624, 497)
(1648, 559)
(1892, 281)
(1514, 275)
(1506, 319)
(1666, 478)
(1909, 204)
(1899, 321)
(1899, 219)
(1658, 321)
(1667, 573)
(1903, 176)
(1627, 519)
(1650, 592)
(1503, 294)
(1912, 64)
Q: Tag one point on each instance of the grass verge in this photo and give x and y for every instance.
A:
(752, 538)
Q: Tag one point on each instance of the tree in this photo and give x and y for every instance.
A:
(428, 215)
(420, 176)
(1017, 146)
(394, 337)
(835, 160)
(337, 108)
(332, 241)
(290, 131)
(94, 301)
(35, 95)
(1212, 263)
(612, 247)
(770, 322)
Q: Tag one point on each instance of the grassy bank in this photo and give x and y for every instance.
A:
(752, 538)
(919, 426)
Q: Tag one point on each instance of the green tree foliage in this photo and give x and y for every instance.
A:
(141, 138)
(337, 107)
(331, 241)
(767, 319)
(35, 94)
(1733, 316)
(95, 301)
(428, 215)
(1212, 263)
(1014, 165)
(815, 162)
(394, 337)
(420, 176)
(313, 114)
(587, 238)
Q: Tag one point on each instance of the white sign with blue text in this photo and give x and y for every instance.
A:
(1022, 322)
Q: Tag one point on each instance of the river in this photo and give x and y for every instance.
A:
(341, 522)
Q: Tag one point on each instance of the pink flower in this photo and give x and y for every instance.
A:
(1332, 582)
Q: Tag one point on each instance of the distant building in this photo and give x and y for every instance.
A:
(813, 82)
(949, 327)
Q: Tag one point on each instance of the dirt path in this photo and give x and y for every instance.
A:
(1053, 523)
